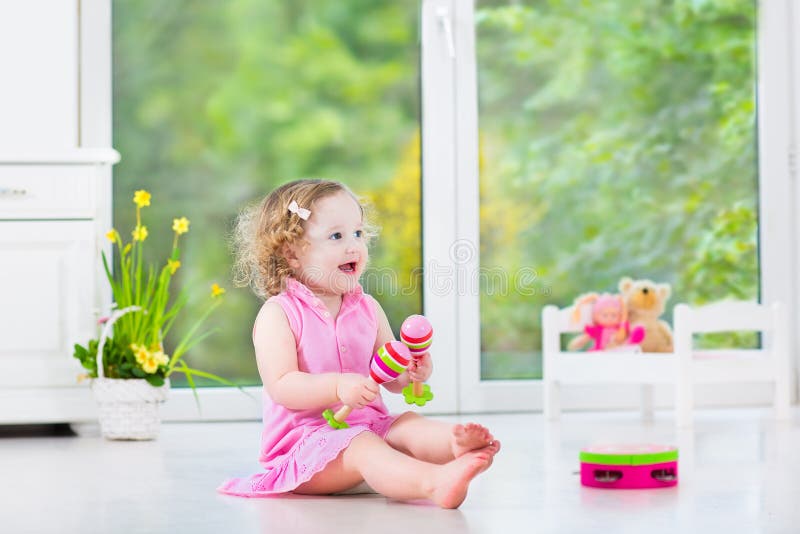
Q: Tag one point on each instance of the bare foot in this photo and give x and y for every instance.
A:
(493, 448)
(452, 479)
(469, 437)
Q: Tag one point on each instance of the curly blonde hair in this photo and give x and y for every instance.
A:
(265, 229)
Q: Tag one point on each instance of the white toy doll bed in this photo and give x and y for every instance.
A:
(682, 369)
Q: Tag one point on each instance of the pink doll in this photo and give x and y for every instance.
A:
(609, 326)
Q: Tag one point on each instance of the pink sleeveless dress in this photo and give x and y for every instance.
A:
(297, 444)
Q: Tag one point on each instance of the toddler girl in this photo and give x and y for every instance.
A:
(304, 248)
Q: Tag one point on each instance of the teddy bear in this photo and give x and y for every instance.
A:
(645, 301)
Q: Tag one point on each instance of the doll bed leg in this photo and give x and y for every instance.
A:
(647, 402)
(552, 400)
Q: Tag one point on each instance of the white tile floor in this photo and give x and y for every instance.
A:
(740, 472)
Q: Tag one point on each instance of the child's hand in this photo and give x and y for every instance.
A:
(355, 390)
(420, 369)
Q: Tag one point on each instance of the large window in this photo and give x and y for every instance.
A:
(577, 142)
(216, 103)
(617, 138)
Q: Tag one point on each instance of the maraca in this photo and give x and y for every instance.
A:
(387, 364)
(417, 334)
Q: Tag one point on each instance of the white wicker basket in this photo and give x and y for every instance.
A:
(128, 407)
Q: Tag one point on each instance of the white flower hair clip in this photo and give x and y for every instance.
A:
(301, 212)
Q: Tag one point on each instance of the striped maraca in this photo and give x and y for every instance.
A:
(387, 364)
(417, 334)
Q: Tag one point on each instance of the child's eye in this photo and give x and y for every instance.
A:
(359, 233)
(336, 235)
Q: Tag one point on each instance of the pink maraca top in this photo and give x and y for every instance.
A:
(389, 362)
(417, 333)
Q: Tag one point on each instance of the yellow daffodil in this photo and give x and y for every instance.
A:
(160, 357)
(180, 226)
(216, 290)
(147, 359)
(150, 364)
(111, 235)
(173, 266)
(141, 353)
(140, 233)
(141, 198)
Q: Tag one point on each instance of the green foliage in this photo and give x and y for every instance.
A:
(726, 258)
(118, 361)
(148, 290)
(628, 128)
(145, 312)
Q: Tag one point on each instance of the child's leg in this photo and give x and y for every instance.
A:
(397, 475)
(435, 441)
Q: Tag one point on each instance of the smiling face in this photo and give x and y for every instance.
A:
(334, 254)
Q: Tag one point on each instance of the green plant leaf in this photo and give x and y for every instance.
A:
(214, 377)
(155, 380)
(186, 348)
(172, 314)
(181, 348)
(80, 352)
(114, 287)
(190, 380)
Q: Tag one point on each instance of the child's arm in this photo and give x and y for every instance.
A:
(276, 356)
(423, 370)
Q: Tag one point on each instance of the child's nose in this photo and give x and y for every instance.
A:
(352, 244)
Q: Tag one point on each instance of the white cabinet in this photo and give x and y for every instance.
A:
(55, 201)
(48, 294)
(54, 212)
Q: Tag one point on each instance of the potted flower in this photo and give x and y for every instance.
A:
(128, 363)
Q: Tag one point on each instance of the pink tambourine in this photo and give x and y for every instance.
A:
(629, 466)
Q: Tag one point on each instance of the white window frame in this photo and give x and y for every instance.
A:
(792, 25)
(451, 210)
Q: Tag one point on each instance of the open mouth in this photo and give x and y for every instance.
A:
(348, 267)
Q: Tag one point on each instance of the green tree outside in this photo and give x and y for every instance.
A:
(628, 130)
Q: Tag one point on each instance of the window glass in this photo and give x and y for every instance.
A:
(617, 138)
(216, 103)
